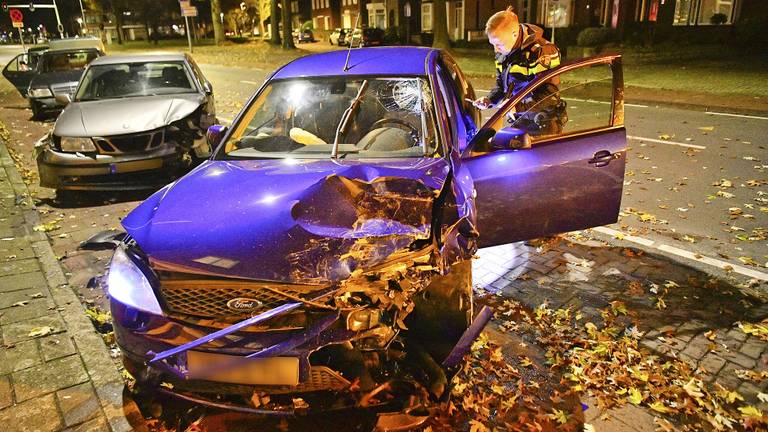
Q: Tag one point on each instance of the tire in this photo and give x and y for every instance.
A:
(444, 310)
(37, 110)
(65, 196)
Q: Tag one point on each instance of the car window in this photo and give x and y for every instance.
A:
(198, 73)
(577, 101)
(134, 79)
(19, 64)
(449, 95)
(66, 61)
(300, 118)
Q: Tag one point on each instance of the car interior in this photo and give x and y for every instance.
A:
(390, 119)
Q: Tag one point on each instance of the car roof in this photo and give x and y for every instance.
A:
(138, 58)
(51, 52)
(392, 61)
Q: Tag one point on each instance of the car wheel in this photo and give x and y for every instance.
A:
(443, 311)
(37, 110)
(65, 196)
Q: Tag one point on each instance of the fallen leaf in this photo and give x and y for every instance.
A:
(40, 331)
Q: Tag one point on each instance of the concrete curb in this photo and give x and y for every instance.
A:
(122, 414)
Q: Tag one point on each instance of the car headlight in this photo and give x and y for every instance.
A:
(40, 92)
(76, 144)
(127, 284)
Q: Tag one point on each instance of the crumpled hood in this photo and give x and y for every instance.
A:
(124, 116)
(310, 221)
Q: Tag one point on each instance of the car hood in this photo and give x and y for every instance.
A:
(45, 80)
(311, 221)
(124, 116)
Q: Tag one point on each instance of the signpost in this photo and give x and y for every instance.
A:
(32, 6)
(187, 11)
(17, 18)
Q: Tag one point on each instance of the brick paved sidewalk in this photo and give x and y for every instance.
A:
(65, 378)
(698, 323)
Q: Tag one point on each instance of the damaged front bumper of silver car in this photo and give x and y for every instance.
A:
(137, 161)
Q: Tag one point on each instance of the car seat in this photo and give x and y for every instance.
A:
(385, 139)
(173, 76)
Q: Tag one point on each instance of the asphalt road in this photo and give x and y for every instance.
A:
(695, 186)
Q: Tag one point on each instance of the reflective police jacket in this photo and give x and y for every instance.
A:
(533, 55)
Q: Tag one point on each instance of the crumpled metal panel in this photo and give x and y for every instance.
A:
(310, 221)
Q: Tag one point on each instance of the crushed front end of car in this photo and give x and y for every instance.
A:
(274, 304)
(144, 144)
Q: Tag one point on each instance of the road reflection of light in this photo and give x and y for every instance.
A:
(291, 161)
(487, 269)
(501, 158)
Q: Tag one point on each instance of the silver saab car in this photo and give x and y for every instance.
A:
(135, 122)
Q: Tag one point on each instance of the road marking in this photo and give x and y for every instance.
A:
(666, 142)
(736, 115)
(684, 253)
(606, 103)
(250, 82)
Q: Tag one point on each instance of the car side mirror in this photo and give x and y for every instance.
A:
(214, 135)
(63, 99)
(511, 139)
(207, 88)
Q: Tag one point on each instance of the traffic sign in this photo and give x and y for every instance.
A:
(189, 12)
(16, 15)
(18, 24)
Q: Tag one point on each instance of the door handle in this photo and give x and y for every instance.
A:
(602, 158)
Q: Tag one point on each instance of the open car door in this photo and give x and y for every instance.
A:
(20, 72)
(552, 158)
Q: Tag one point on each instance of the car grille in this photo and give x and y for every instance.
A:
(208, 298)
(64, 89)
(134, 143)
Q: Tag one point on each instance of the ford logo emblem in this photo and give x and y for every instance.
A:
(243, 304)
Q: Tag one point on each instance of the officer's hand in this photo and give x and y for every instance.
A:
(483, 103)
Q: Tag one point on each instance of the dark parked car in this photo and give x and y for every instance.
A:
(339, 36)
(367, 37)
(57, 73)
(322, 255)
(20, 70)
(301, 36)
(134, 122)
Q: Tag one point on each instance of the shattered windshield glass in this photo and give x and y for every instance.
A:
(299, 118)
(134, 79)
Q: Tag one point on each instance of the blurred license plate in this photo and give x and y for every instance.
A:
(265, 371)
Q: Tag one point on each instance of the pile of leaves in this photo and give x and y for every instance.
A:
(595, 361)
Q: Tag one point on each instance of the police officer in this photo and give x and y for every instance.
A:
(521, 53)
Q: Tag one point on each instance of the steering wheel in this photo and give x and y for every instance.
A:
(410, 127)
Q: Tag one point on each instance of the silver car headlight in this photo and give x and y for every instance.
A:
(77, 144)
(128, 285)
(40, 92)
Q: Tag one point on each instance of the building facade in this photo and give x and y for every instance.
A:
(466, 18)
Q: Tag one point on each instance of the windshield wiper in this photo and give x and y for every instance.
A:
(342, 127)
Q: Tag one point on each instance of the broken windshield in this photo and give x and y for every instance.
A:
(298, 118)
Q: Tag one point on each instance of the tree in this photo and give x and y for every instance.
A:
(274, 23)
(440, 25)
(218, 31)
(287, 28)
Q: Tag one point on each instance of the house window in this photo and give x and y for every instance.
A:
(555, 13)
(700, 12)
(426, 17)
